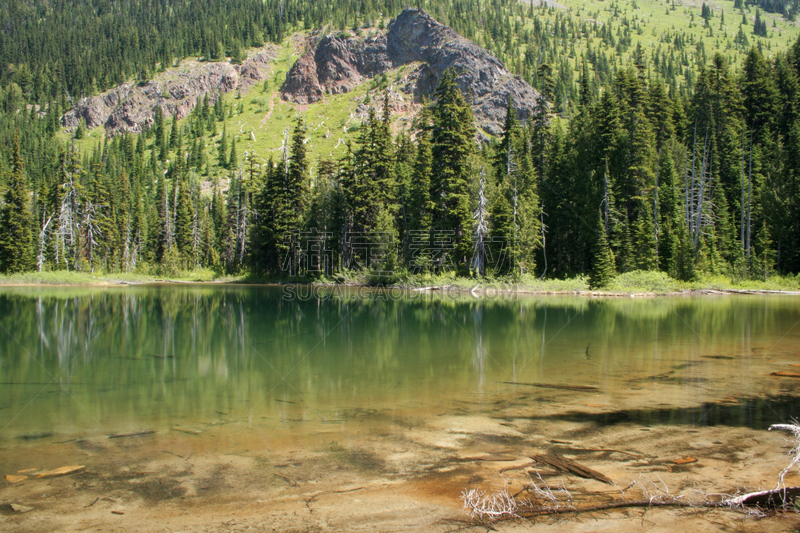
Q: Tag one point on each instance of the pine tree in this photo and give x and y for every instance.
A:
(453, 145)
(280, 203)
(384, 172)
(371, 183)
(222, 150)
(668, 213)
(173, 134)
(16, 238)
(384, 267)
(297, 176)
(233, 160)
(160, 144)
(421, 206)
(184, 237)
(603, 270)
(268, 243)
(685, 262)
(101, 236)
(645, 251)
(764, 261)
(502, 232)
(515, 173)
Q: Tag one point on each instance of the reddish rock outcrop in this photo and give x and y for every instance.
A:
(339, 63)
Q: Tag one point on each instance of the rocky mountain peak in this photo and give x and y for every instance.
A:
(339, 63)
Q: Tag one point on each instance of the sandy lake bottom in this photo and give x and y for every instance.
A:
(377, 469)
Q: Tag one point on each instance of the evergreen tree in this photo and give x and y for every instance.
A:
(16, 238)
(173, 135)
(453, 145)
(645, 253)
(384, 267)
(297, 176)
(603, 272)
(160, 144)
(502, 232)
(233, 160)
(184, 222)
(685, 262)
(668, 214)
(280, 205)
(421, 206)
(371, 185)
(222, 150)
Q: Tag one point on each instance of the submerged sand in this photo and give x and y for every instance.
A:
(388, 469)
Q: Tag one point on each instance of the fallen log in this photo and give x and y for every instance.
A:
(608, 450)
(124, 435)
(580, 388)
(618, 504)
(62, 471)
(786, 374)
(492, 458)
(571, 467)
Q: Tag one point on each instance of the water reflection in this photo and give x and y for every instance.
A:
(756, 413)
(74, 358)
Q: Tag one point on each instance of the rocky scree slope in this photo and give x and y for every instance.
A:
(337, 63)
(131, 107)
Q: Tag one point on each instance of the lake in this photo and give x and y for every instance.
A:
(292, 383)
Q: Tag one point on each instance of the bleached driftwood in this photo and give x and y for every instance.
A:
(781, 495)
(501, 505)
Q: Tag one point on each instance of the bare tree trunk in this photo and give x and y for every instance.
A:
(481, 229)
(655, 208)
(241, 231)
(690, 190)
(42, 239)
(196, 228)
(606, 199)
(700, 194)
(741, 204)
(749, 197)
(544, 240)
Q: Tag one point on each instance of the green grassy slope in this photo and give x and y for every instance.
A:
(665, 31)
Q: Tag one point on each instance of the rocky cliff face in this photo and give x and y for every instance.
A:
(131, 107)
(337, 64)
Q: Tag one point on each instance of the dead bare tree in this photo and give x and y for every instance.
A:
(42, 241)
(481, 229)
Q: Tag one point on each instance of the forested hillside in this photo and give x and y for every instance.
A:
(667, 137)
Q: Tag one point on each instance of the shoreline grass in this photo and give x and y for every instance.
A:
(630, 283)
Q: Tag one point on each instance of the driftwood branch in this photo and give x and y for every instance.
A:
(766, 498)
(581, 388)
(620, 504)
(571, 467)
(545, 501)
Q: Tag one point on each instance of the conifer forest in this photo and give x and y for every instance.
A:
(651, 147)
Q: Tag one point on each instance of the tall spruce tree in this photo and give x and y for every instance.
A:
(603, 270)
(421, 206)
(453, 145)
(298, 177)
(280, 204)
(16, 237)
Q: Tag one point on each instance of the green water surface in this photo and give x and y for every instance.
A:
(111, 360)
